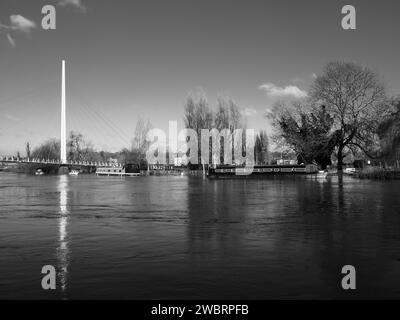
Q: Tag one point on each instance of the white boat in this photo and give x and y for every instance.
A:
(350, 171)
(39, 172)
(322, 174)
(318, 175)
(115, 171)
(74, 172)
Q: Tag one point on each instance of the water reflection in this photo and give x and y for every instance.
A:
(188, 238)
(63, 250)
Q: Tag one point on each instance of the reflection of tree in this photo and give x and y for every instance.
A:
(217, 213)
(338, 222)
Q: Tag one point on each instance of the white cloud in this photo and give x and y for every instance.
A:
(20, 23)
(74, 3)
(11, 117)
(249, 112)
(275, 91)
(11, 40)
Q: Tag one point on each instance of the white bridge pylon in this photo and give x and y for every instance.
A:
(63, 150)
(63, 155)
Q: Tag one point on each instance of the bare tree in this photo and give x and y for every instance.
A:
(198, 115)
(355, 98)
(79, 149)
(228, 116)
(28, 150)
(139, 142)
(50, 149)
(261, 148)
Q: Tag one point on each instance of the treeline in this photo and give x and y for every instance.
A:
(347, 114)
(225, 114)
(80, 149)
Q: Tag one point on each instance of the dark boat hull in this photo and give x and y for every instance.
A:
(260, 171)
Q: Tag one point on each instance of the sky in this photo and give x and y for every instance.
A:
(127, 59)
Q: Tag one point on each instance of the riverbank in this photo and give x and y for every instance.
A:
(378, 174)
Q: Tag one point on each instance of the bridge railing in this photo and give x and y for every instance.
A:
(57, 161)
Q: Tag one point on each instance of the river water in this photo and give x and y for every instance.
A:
(171, 237)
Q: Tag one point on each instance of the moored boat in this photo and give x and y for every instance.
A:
(121, 171)
(260, 171)
(74, 172)
(39, 172)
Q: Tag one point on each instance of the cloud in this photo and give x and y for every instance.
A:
(11, 117)
(11, 40)
(249, 112)
(73, 3)
(275, 91)
(20, 23)
(314, 76)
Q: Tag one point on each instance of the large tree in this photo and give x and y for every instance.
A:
(355, 98)
(389, 134)
(79, 149)
(308, 132)
(229, 116)
(139, 143)
(50, 149)
(261, 146)
(198, 115)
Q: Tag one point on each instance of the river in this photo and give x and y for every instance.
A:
(179, 237)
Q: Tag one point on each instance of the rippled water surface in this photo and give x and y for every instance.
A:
(193, 238)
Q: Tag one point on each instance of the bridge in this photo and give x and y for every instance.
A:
(12, 159)
(62, 162)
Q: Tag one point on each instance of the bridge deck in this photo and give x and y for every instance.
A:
(58, 162)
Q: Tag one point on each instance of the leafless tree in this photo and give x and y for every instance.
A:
(139, 140)
(356, 99)
(198, 115)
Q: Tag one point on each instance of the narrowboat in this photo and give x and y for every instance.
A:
(122, 171)
(230, 171)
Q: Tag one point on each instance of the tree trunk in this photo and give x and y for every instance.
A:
(340, 158)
